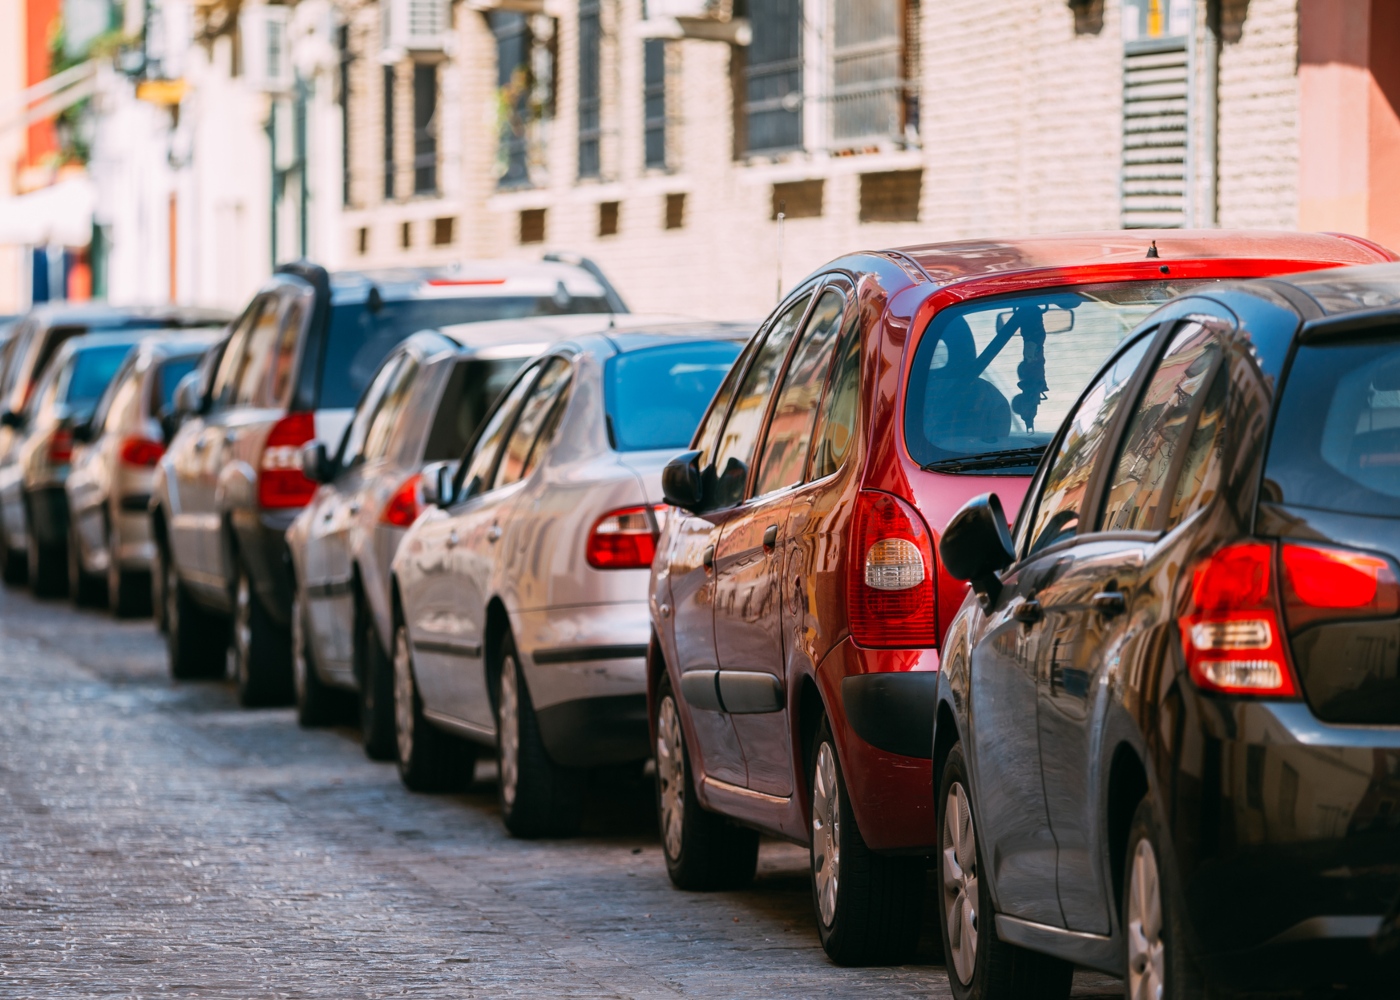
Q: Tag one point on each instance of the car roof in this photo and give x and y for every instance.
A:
(468, 279)
(626, 331)
(1342, 290)
(107, 338)
(51, 314)
(945, 263)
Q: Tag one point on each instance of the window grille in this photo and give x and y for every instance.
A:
(425, 93)
(654, 101)
(773, 76)
(389, 133)
(590, 38)
(1156, 112)
(868, 88)
(512, 31)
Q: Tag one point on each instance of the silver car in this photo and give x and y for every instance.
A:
(110, 548)
(423, 405)
(520, 596)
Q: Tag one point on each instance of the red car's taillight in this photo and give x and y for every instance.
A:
(143, 453)
(281, 483)
(1321, 582)
(890, 589)
(405, 505)
(625, 538)
(61, 447)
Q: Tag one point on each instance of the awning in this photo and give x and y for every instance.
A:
(61, 215)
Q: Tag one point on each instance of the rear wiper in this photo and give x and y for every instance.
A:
(992, 460)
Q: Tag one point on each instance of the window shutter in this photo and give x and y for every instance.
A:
(416, 25)
(1155, 138)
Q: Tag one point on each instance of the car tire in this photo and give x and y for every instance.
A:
(429, 759)
(374, 672)
(86, 588)
(196, 639)
(869, 906)
(260, 651)
(47, 566)
(704, 851)
(129, 592)
(14, 569)
(1156, 959)
(538, 797)
(980, 965)
(317, 702)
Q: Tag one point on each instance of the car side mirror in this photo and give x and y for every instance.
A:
(437, 483)
(11, 419)
(976, 546)
(316, 465)
(82, 432)
(681, 484)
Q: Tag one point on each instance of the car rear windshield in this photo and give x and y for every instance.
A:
(360, 338)
(655, 397)
(93, 369)
(167, 378)
(1336, 438)
(993, 378)
(471, 389)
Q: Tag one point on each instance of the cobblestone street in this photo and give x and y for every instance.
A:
(156, 840)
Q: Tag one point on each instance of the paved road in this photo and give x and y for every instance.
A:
(155, 840)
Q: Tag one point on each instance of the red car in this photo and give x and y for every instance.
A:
(797, 602)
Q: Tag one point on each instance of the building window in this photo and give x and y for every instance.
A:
(798, 199)
(343, 38)
(512, 33)
(890, 196)
(425, 95)
(773, 77)
(443, 231)
(1156, 101)
(362, 240)
(675, 211)
(872, 96)
(654, 101)
(590, 52)
(532, 225)
(406, 235)
(388, 133)
(607, 218)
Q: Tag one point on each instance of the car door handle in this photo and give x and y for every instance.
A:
(493, 533)
(1109, 603)
(770, 537)
(452, 538)
(1028, 612)
(354, 508)
(201, 443)
(709, 557)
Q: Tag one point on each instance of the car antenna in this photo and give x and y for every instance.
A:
(1152, 251)
(374, 301)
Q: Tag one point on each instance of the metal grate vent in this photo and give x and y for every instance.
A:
(1155, 108)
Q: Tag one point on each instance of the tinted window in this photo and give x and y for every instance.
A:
(386, 419)
(359, 339)
(251, 377)
(167, 377)
(285, 355)
(736, 443)
(231, 364)
(836, 424)
(1336, 440)
(518, 458)
(471, 389)
(790, 429)
(656, 396)
(707, 436)
(998, 375)
(92, 372)
(1062, 493)
(121, 383)
(483, 459)
(1161, 435)
(352, 447)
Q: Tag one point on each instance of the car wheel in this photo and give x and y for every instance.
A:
(48, 567)
(376, 677)
(85, 588)
(429, 759)
(704, 851)
(129, 592)
(196, 640)
(1157, 965)
(316, 700)
(869, 906)
(14, 569)
(539, 798)
(260, 651)
(980, 965)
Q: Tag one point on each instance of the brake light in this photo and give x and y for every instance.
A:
(1231, 632)
(140, 452)
(890, 590)
(1321, 583)
(625, 538)
(405, 505)
(61, 447)
(281, 483)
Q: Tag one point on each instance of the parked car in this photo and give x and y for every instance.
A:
(297, 361)
(797, 604)
(32, 481)
(423, 405)
(520, 598)
(33, 342)
(1199, 608)
(114, 459)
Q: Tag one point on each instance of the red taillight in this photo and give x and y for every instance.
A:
(1321, 582)
(626, 538)
(140, 452)
(1231, 632)
(405, 505)
(281, 482)
(890, 591)
(61, 447)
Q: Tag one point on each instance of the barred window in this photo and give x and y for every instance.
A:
(773, 77)
(512, 31)
(425, 95)
(868, 98)
(654, 101)
(590, 38)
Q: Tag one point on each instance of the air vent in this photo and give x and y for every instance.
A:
(1155, 140)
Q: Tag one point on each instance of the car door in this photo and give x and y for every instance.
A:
(1088, 606)
(1003, 741)
(750, 560)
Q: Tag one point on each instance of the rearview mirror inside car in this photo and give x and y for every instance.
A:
(316, 465)
(82, 432)
(977, 545)
(681, 484)
(437, 483)
(11, 419)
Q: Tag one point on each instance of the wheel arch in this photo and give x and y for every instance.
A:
(1127, 786)
(496, 628)
(945, 737)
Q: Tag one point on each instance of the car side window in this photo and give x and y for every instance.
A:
(121, 401)
(1064, 489)
(258, 350)
(386, 418)
(352, 448)
(231, 366)
(549, 388)
(284, 355)
(836, 422)
(1186, 393)
(482, 464)
(106, 404)
(735, 450)
(707, 437)
(790, 429)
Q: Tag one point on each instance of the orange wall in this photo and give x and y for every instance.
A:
(39, 23)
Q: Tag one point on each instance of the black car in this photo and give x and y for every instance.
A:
(1168, 733)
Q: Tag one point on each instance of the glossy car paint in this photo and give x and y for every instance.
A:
(1283, 829)
(799, 615)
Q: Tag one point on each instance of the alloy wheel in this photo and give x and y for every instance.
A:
(509, 729)
(1146, 950)
(960, 882)
(826, 833)
(403, 695)
(670, 775)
